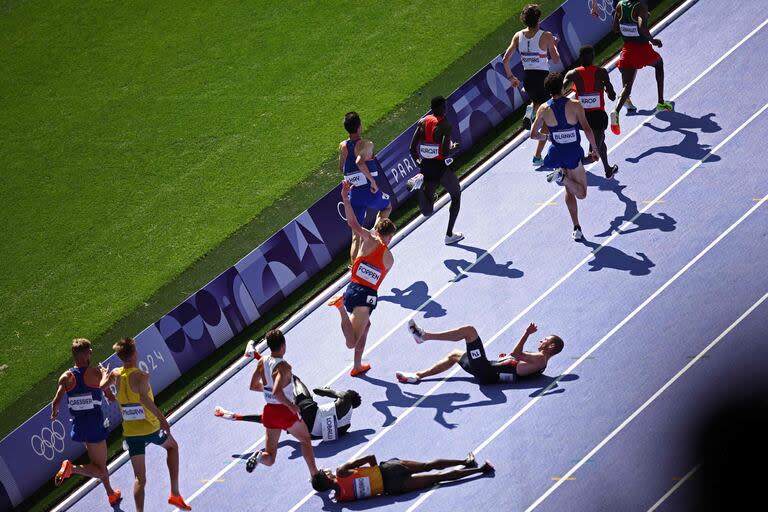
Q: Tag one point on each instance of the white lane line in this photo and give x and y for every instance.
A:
(479, 259)
(674, 488)
(665, 386)
(587, 354)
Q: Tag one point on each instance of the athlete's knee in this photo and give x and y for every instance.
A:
(581, 194)
(141, 481)
(469, 332)
(455, 355)
(171, 444)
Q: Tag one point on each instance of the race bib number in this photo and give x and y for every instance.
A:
(357, 179)
(589, 101)
(370, 300)
(475, 354)
(132, 412)
(564, 137)
(534, 61)
(629, 29)
(507, 377)
(80, 402)
(429, 151)
(268, 396)
(328, 422)
(368, 273)
(362, 487)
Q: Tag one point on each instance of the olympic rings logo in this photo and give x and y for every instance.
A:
(50, 441)
(604, 8)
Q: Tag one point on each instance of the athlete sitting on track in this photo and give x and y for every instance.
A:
(328, 421)
(508, 368)
(354, 480)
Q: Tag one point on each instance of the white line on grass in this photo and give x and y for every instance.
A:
(663, 388)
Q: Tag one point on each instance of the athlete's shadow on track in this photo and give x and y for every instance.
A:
(487, 265)
(383, 501)
(413, 297)
(689, 147)
(643, 222)
(610, 257)
(396, 397)
(495, 392)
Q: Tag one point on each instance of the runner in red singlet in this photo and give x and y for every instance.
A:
(589, 83)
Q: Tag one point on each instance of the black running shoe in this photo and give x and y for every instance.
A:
(610, 173)
(470, 461)
(253, 461)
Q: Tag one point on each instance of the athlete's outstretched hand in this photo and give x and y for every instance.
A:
(531, 329)
(514, 82)
(345, 188)
(656, 42)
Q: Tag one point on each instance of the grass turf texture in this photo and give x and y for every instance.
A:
(385, 129)
(139, 136)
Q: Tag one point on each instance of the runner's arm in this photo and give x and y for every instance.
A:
(363, 166)
(445, 138)
(554, 53)
(60, 390)
(414, 147)
(538, 124)
(607, 85)
(505, 61)
(342, 156)
(148, 403)
(594, 7)
(517, 352)
(362, 461)
(616, 19)
(642, 24)
(357, 229)
(256, 383)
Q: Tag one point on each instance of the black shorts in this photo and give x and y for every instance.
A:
(393, 476)
(475, 363)
(533, 82)
(597, 119)
(358, 295)
(433, 169)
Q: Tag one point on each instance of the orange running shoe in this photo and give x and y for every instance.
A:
(337, 301)
(355, 372)
(64, 472)
(115, 497)
(178, 502)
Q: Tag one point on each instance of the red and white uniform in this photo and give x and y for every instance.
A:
(275, 414)
(591, 98)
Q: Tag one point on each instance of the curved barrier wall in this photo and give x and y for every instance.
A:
(32, 453)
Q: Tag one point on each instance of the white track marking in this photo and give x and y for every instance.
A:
(663, 388)
(673, 489)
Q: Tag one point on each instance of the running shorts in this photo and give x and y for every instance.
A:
(394, 475)
(433, 169)
(137, 445)
(362, 199)
(635, 55)
(564, 156)
(358, 295)
(597, 119)
(278, 416)
(533, 82)
(88, 430)
(475, 363)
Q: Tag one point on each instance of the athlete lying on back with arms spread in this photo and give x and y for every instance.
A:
(508, 368)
